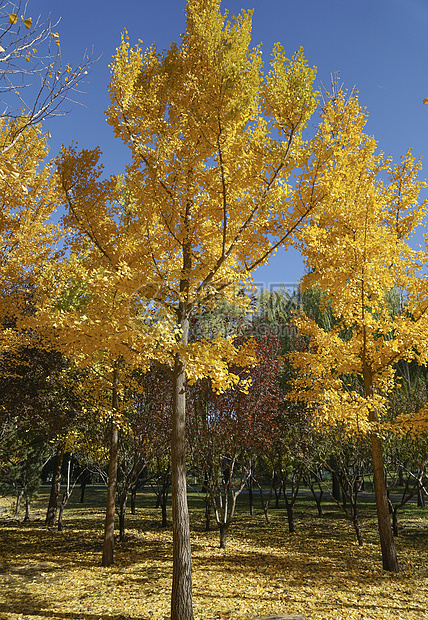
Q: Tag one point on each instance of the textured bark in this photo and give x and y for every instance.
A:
(108, 544)
(223, 534)
(181, 597)
(56, 486)
(389, 553)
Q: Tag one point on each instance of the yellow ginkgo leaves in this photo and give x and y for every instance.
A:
(13, 18)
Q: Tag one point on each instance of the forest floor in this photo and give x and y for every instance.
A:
(318, 571)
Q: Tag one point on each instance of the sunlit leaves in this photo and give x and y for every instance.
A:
(358, 254)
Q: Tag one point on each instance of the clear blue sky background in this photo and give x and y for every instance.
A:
(379, 46)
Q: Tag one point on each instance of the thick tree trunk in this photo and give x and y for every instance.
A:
(108, 544)
(335, 486)
(56, 486)
(223, 534)
(290, 517)
(181, 597)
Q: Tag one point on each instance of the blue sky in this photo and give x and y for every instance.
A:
(379, 46)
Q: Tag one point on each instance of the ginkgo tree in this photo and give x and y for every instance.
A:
(29, 197)
(206, 199)
(357, 249)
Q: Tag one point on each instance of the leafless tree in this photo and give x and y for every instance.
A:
(34, 80)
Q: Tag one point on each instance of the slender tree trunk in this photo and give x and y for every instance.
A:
(395, 521)
(133, 498)
(122, 511)
(85, 480)
(421, 498)
(277, 496)
(27, 509)
(108, 545)
(56, 486)
(19, 496)
(250, 493)
(164, 503)
(66, 495)
(389, 553)
(82, 491)
(181, 597)
(208, 503)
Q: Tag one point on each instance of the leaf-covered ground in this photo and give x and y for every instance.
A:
(318, 571)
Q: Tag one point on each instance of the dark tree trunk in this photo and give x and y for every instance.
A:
(208, 512)
(290, 501)
(318, 503)
(389, 554)
(250, 494)
(56, 486)
(60, 523)
(108, 544)
(356, 524)
(311, 485)
(133, 498)
(290, 517)
(122, 510)
(19, 496)
(86, 478)
(265, 503)
(387, 544)
(335, 486)
(66, 495)
(164, 503)
(223, 534)
(421, 497)
(277, 496)
(181, 596)
(27, 509)
(400, 476)
(395, 521)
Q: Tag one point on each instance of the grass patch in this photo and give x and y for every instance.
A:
(319, 571)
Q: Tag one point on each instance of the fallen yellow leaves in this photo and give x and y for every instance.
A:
(318, 571)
